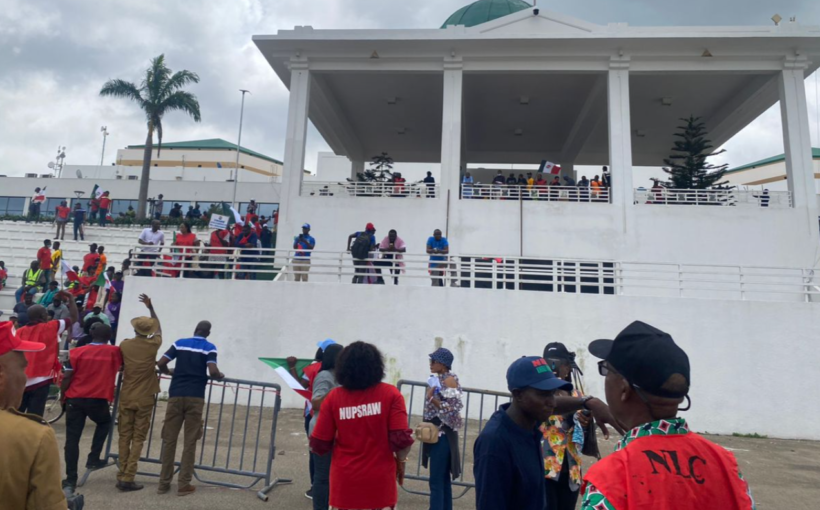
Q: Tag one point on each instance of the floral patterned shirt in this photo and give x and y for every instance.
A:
(558, 431)
(593, 499)
(450, 411)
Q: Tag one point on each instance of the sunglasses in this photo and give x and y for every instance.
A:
(604, 370)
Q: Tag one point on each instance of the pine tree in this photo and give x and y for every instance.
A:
(379, 171)
(687, 166)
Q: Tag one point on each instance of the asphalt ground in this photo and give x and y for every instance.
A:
(782, 473)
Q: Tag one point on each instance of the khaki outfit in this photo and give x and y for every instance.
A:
(140, 385)
(29, 463)
(301, 267)
(187, 411)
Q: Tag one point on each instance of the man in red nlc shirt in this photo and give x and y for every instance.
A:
(88, 388)
(43, 366)
(659, 463)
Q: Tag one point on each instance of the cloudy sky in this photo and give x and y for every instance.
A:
(55, 55)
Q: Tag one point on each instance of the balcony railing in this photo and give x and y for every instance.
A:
(540, 193)
(369, 189)
(714, 197)
(543, 274)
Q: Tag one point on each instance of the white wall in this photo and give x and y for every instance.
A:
(750, 360)
(646, 233)
(165, 173)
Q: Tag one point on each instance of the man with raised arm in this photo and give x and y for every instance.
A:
(140, 385)
(195, 361)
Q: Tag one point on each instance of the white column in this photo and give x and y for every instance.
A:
(797, 137)
(451, 128)
(295, 135)
(620, 133)
(356, 167)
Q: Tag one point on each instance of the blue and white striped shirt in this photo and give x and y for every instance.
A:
(192, 356)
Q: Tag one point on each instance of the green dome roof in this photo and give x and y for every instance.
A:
(483, 11)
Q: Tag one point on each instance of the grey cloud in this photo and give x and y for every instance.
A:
(55, 55)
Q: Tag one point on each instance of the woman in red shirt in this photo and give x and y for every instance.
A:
(185, 238)
(61, 218)
(364, 424)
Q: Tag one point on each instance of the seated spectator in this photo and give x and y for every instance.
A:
(48, 295)
(58, 309)
(97, 313)
(131, 213)
(33, 279)
(23, 306)
(3, 275)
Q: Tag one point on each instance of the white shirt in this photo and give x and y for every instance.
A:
(156, 238)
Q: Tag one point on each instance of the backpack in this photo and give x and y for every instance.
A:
(361, 246)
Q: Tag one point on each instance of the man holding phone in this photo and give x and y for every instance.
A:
(301, 261)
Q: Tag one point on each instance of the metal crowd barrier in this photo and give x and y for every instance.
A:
(242, 404)
(479, 405)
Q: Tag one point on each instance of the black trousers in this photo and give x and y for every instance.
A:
(559, 495)
(77, 410)
(34, 402)
(149, 259)
(311, 464)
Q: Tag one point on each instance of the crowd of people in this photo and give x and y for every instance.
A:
(538, 186)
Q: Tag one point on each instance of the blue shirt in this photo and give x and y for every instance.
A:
(79, 215)
(191, 369)
(304, 246)
(437, 245)
(508, 466)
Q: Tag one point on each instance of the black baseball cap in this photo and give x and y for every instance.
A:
(557, 350)
(647, 357)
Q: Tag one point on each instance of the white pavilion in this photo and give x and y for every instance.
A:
(503, 82)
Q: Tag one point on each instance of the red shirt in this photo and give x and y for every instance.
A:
(95, 368)
(95, 205)
(43, 363)
(89, 260)
(62, 212)
(363, 471)
(310, 372)
(105, 203)
(44, 256)
(217, 236)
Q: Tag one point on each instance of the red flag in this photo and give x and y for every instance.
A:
(556, 170)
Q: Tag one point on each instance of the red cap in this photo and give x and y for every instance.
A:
(9, 341)
(370, 227)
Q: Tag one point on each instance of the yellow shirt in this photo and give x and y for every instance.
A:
(29, 463)
(139, 373)
(56, 257)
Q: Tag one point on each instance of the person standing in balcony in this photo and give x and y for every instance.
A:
(606, 179)
(248, 253)
(79, 219)
(430, 184)
(34, 206)
(364, 242)
(305, 243)
(218, 256)
(195, 361)
(595, 187)
(583, 187)
(186, 239)
(438, 248)
(392, 247)
(154, 238)
(44, 258)
(467, 185)
(540, 191)
(61, 213)
(442, 408)
(105, 208)
(159, 203)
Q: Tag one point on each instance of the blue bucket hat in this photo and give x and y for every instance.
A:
(443, 356)
(325, 343)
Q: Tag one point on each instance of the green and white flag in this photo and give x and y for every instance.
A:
(97, 191)
(280, 366)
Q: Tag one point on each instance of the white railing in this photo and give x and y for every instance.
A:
(717, 197)
(369, 189)
(489, 272)
(541, 193)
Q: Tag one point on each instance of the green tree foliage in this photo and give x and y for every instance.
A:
(687, 166)
(159, 93)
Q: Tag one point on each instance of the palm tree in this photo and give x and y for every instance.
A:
(158, 94)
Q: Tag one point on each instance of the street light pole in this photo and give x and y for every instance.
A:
(238, 145)
(104, 131)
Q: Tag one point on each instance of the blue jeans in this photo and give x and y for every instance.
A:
(441, 488)
(18, 294)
